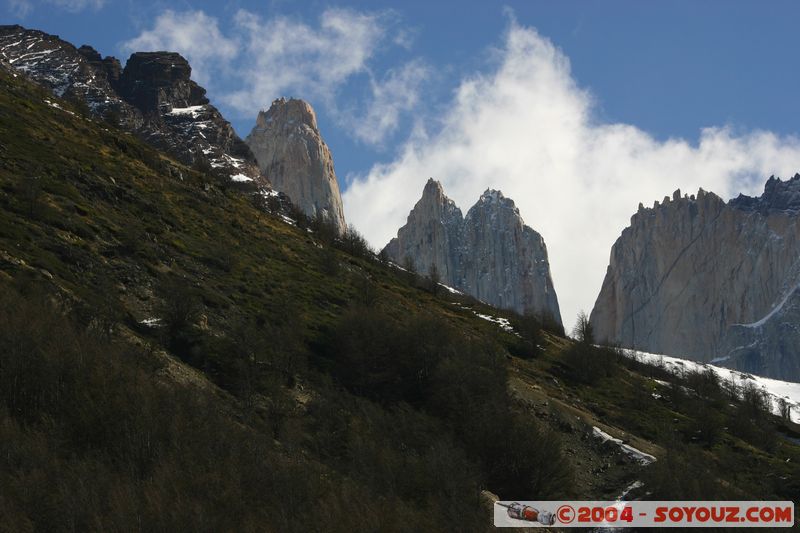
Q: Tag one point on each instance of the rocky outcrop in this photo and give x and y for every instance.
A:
(701, 278)
(153, 97)
(490, 254)
(179, 118)
(61, 68)
(157, 82)
(109, 66)
(293, 157)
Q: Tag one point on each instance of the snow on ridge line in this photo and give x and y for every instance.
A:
(634, 453)
(241, 178)
(776, 389)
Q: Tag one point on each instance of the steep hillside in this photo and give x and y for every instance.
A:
(177, 355)
(243, 315)
(700, 278)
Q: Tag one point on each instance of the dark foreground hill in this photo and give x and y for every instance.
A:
(175, 355)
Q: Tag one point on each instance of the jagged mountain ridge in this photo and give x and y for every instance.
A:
(705, 279)
(153, 97)
(490, 253)
(291, 153)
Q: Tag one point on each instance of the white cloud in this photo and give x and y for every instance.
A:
(397, 93)
(194, 35)
(527, 128)
(283, 56)
(20, 8)
(289, 56)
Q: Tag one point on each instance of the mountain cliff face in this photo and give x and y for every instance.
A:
(698, 277)
(153, 97)
(490, 254)
(293, 157)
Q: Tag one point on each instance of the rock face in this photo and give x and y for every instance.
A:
(153, 97)
(179, 118)
(66, 71)
(156, 81)
(293, 157)
(490, 254)
(700, 278)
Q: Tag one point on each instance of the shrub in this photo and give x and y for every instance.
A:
(529, 343)
(683, 474)
(751, 419)
(589, 364)
(353, 243)
(379, 358)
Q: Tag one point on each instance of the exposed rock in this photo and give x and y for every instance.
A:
(293, 157)
(61, 68)
(779, 196)
(490, 254)
(488, 500)
(157, 82)
(180, 118)
(108, 66)
(152, 97)
(703, 279)
(433, 235)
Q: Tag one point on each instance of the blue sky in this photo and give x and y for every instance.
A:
(577, 110)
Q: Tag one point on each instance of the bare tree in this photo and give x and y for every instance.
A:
(784, 409)
(583, 332)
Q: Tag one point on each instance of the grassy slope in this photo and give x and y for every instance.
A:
(106, 218)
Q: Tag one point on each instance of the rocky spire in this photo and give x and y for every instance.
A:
(432, 234)
(490, 254)
(293, 157)
(506, 262)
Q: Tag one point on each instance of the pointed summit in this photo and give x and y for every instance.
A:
(289, 111)
(293, 157)
(433, 187)
(492, 196)
(490, 254)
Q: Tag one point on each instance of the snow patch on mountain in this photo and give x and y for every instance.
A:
(775, 389)
(504, 323)
(634, 453)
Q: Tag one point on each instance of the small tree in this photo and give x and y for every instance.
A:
(784, 409)
(583, 332)
(180, 308)
(32, 194)
(530, 340)
(410, 268)
(383, 257)
(435, 278)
